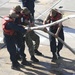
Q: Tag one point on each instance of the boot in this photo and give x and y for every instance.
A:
(15, 66)
(37, 52)
(25, 62)
(18, 56)
(57, 51)
(54, 58)
(34, 59)
(58, 54)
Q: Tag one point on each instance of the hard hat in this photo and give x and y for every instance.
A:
(25, 10)
(17, 8)
(13, 15)
(54, 12)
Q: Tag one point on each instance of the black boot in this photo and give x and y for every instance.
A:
(58, 54)
(37, 52)
(34, 59)
(15, 65)
(18, 56)
(25, 62)
(54, 58)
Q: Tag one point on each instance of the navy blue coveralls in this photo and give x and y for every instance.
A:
(11, 40)
(20, 39)
(30, 5)
(53, 44)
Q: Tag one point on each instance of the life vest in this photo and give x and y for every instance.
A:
(57, 17)
(27, 17)
(18, 19)
(5, 21)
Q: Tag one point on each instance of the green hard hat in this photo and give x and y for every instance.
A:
(25, 10)
(17, 8)
(54, 12)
